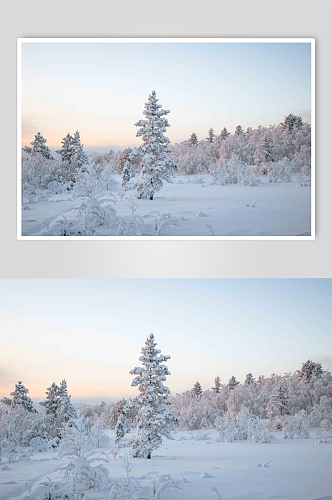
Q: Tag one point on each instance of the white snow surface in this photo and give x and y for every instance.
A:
(299, 469)
(282, 209)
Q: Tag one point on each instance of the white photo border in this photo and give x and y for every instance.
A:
(21, 41)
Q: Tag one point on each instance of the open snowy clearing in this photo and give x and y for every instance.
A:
(282, 209)
(299, 469)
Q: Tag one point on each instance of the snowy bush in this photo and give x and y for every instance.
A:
(280, 171)
(243, 427)
(304, 177)
(325, 432)
(233, 171)
(297, 426)
(131, 225)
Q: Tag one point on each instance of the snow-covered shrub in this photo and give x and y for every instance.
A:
(55, 187)
(243, 427)
(84, 475)
(297, 426)
(262, 170)
(163, 220)
(50, 490)
(233, 171)
(131, 225)
(324, 434)
(280, 171)
(93, 209)
(125, 488)
(276, 424)
(129, 487)
(304, 177)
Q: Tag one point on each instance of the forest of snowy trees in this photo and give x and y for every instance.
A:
(275, 152)
(290, 403)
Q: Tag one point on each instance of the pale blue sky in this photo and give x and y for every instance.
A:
(91, 331)
(101, 88)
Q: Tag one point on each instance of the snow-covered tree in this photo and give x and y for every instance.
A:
(154, 418)
(249, 379)
(265, 150)
(66, 408)
(217, 385)
(239, 131)
(52, 401)
(155, 164)
(97, 435)
(130, 164)
(232, 383)
(119, 429)
(78, 157)
(224, 134)
(197, 390)
(193, 141)
(279, 402)
(39, 146)
(310, 368)
(67, 149)
(20, 398)
(210, 136)
(289, 122)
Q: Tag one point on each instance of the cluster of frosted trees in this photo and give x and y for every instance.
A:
(22, 425)
(279, 400)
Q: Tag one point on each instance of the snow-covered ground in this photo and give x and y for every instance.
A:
(299, 470)
(282, 209)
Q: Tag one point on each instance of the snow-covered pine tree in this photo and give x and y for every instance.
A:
(210, 136)
(21, 398)
(265, 151)
(249, 379)
(232, 383)
(279, 401)
(66, 408)
(154, 418)
(129, 169)
(310, 368)
(119, 429)
(224, 134)
(239, 130)
(155, 164)
(217, 385)
(289, 122)
(197, 390)
(52, 401)
(39, 146)
(67, 150)
(193, 141)
(78, 157)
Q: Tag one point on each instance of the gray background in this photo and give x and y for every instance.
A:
(166, 259)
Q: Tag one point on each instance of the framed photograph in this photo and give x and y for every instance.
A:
(174, 139)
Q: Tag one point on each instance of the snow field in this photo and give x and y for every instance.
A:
(282, 209)
(299, 470)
